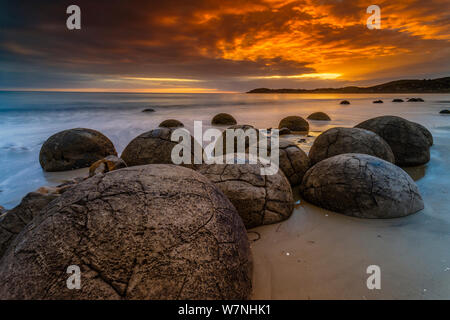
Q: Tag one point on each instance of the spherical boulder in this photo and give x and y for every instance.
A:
(110, 163)
(250, 134)
(154, 147)
(294, 123)
(345, 102)
(293, 161)
(340, 140)
(445, 111)
(378, 101)
(223, 119)
(397, 100)
(362, 186)
(320, 116)
(171, 123)
(74, 149)
(411, 147)
(148, 232)
(259, 199)
(415, 100)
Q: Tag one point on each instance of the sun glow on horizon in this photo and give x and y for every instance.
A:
(322, 76)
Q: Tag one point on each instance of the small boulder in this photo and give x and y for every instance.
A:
(293, 161)
(284, 131)
(74, 149)
(362, 186)
(110, 163)
(378, 101)
(320, 116)
(150, 232)
(295, 124)
(340, 140)
(398, 100)
(148, 110)
(415, 100)
(246, 129)
(171, 123)
(153, 147)
(445, 111)
(345, 102)
(223, 119)
(259, 199)
(411, 147)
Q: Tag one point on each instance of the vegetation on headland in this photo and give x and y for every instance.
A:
(440, 85)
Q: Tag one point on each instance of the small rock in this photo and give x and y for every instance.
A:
(345, 102)
(148, 110)
(445, 111)
(415, 100)
(284, 131)
(223, 119)
(319, 116)
(398, 100)
(107, 164)
(378, 101)
(294, 123)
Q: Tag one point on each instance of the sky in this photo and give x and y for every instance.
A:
(219, 45)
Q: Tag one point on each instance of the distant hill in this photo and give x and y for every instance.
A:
(441, 85)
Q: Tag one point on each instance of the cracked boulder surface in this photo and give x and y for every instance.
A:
(294, 123)
(259, 199)
(339, 140)
(13, 221)
(293, 161)
(147, 232)
(362, 186)
(73, 149)
(154, 147)
(409, 141)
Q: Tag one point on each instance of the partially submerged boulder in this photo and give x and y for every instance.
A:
(320, 116)
(74, 149)
(340, 140)
(12, 222)
(149, 232)
(171, 123)
(397, 100)
(378, 101)
(362, 186)
(153, 147)
(259, 199)
(345, 102)
(110, 163)
(445, 111)
(148, 110)
(223, 119)
(409, 143)
(415, 100)
(294, 123)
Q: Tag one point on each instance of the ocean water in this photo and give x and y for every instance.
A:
(27, 119)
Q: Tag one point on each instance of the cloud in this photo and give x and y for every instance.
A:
(219, 44)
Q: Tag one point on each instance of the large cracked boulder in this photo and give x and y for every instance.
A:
(12, 222)
(362, 186)
(293, 161)
(74, 149)
(294, 123)
(223, 119)
(155, 147)
(408, 140)
(148, 232)
(259, 199)
(341, 140)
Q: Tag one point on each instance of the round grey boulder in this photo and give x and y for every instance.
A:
(155, 147)
(294, 123)
(293, 161)
(74, 149)
(223, 119)
(362, 186)
(259, 199)
(150, 232)
(340, 140)
(171, 123)
(409, 143)
(319, 116)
